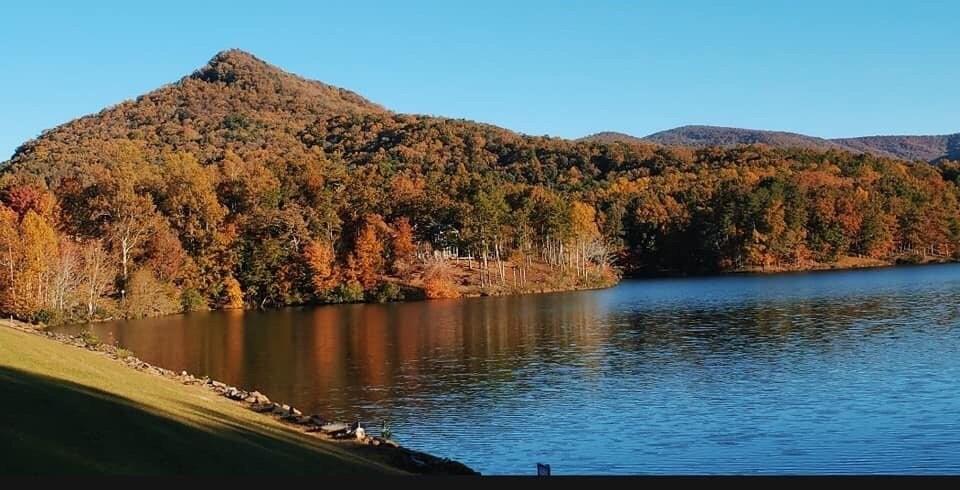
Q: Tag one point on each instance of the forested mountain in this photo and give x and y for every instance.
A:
(925, 148)
(611, 137)
(244, 186)
(928, 148)
(702, 136)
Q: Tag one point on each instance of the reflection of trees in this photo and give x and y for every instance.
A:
(412, 351)
(339, 357)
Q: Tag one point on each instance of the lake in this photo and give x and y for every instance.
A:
(825, 373)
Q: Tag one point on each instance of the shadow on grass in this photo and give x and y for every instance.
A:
(52, 426)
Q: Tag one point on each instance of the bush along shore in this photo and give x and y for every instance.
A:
(312, 425)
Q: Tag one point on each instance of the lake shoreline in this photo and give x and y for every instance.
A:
(352, 436)
(464, 291)
(838, 266)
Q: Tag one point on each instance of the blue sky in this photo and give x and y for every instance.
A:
(563, 68)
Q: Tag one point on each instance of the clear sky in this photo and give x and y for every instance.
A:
(564, 68)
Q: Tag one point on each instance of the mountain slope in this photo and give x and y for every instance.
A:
(238, 106)
(234, 101)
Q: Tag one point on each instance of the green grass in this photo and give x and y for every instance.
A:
(70, 411)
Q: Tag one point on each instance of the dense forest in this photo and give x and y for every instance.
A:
(245, 186)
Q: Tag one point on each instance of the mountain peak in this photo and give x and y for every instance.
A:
(234, 54)
(232, 65)
(240, 70)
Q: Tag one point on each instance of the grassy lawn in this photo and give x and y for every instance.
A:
(69, 411)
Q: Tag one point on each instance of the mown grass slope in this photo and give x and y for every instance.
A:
(71, 411)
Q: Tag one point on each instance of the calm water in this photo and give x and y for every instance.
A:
(838, 372)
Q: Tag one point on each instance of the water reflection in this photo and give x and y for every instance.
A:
(374, 350)
(829, 372)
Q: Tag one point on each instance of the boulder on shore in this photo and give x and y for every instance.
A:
(235, 394)
(334, 428)
(297, 419)
(256, 397)
(262, 407)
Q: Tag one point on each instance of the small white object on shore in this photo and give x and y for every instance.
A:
(361, 433)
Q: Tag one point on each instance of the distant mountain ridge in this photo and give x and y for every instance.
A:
(929, 148)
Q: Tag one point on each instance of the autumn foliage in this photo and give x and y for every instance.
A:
(244, 186)
(321, 260)
(366, 262)
(438, 282)
(233, 294)
(403, 247)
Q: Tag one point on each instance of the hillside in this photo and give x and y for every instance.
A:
(925, 148)
(221, 105)
(242, 185)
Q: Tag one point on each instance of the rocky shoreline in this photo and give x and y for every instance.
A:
(313, 425)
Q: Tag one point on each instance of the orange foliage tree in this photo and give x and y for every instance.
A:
(9, 258)
(37, 250)
(233, 294)
(365, 263)
(321, 259)
(402, 246)
(438, 282)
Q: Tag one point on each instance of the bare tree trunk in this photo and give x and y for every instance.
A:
(560, 254)
(496, 246)
(126, 251)
(486, 263)
(480, 269)
(523, 270)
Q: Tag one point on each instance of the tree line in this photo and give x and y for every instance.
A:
(130, 236)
